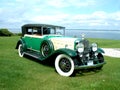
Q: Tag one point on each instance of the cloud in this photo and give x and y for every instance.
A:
(82, 3)
(98, 19)
(57, 3)
(116, 16)
(69, 3)
(59, 12)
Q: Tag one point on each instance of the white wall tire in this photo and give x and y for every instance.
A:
(64, 65)
(20, 50)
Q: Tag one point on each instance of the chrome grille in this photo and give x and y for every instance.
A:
(86, 45)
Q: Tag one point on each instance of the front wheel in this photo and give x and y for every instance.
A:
(64, 65)
(20, 50)
(101, 60)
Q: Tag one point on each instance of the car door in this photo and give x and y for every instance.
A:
(36, 40)
(28, 38)
(35, 43)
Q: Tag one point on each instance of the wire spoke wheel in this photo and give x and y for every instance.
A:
(64, 65)
(46, 49)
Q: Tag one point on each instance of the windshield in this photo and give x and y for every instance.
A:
(58, 31)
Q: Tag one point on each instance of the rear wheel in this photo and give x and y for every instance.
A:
(20, 50)
(64, 65)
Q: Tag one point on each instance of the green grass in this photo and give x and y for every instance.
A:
(26, 74)
(106, 43)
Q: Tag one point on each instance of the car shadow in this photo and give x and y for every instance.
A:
(46, 62)
(50, 63)
(82, 73)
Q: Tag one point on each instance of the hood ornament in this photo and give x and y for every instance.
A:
(83, 36)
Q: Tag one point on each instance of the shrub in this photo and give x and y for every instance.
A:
(19, 34)
(5, 32)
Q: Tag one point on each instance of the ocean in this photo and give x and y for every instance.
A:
(89, 33)
(103, 34)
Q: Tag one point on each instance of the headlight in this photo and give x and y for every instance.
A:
(80, 47)
(94, 47)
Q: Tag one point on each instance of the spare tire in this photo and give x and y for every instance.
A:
(46, 48)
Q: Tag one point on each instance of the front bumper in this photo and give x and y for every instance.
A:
(89, 66)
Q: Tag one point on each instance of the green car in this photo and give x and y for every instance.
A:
(68, 54)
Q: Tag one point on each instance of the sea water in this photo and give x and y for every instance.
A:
(89, 33)
(103, 34)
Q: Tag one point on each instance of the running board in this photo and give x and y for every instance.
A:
(34, 55)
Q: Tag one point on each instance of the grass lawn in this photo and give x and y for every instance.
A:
(106, 43)
(26, 74)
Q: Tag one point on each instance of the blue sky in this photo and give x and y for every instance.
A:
(87, 14)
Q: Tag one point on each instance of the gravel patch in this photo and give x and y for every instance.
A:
(112, 52)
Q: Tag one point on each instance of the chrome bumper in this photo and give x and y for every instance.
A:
(89, 66)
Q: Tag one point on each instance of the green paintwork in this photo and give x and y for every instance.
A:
(21, 41)
(67, 51)
(33, 43)
(100, 50)
(46, 45)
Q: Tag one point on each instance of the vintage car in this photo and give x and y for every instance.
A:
(69, 54)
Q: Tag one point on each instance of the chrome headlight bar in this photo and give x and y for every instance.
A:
(94, 47)
(80, 47)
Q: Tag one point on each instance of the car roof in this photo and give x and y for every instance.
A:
(43, 25)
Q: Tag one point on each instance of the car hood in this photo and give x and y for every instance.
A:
(63, 42)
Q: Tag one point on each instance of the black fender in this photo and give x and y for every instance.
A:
(100, 50)
(20, 42)
(66, 51)
(51, 58)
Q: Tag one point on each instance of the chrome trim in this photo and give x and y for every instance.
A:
(33, 49)
(87, 67)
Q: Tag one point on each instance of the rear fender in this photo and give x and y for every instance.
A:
(19, 42)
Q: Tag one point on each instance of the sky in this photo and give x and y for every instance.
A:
(72, 14)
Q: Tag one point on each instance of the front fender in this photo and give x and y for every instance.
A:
(100, 50)
(66, 51)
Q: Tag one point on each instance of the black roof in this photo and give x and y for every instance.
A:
(43, 25)
(26, 26)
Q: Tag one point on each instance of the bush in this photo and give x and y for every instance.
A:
(5, 32)
(19, 34)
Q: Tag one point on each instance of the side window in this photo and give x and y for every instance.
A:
(29, 31)
(32, 31)
(52, 31)
(46, 30)
(35, 31)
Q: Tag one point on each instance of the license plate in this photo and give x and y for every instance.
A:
(90, 63)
